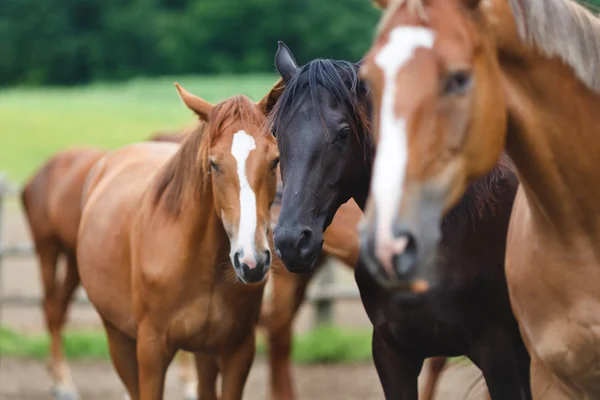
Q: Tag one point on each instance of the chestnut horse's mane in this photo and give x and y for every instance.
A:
(565, 29)
(558, 28)
(340, 79)
(188, 170)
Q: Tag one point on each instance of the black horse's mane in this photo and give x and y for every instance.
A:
(340, 78)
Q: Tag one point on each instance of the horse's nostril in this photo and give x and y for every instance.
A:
(305, 242)
(406, 260)
(236, 259)
(267, 258)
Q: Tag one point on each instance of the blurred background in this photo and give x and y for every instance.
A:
(101, 71)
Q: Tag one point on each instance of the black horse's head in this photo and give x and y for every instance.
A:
(322, 126)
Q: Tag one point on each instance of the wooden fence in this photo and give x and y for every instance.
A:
(323, 296)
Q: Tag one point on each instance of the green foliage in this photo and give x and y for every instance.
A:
(37, 122)
(75, 41)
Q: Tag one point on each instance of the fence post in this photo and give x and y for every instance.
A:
(324, 305)
(3, 192)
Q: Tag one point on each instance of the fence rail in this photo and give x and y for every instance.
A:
(325, 293)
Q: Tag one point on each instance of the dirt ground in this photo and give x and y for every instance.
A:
(29, 380)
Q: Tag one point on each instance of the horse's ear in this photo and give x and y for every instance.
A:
(269, 101)
(201, 107)
(382, 3)
(285, 62)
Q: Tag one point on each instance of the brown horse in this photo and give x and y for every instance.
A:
(173, 247)
(538, 60)
(51, 200)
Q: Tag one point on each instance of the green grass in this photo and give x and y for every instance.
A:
(37, 122)
(77, 345)
(323, 345)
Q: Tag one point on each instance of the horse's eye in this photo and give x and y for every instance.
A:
(342, 135)
(275, 163)
(214, 166)
(458, 83)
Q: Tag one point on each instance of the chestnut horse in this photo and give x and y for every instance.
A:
(324, 137)
(287, 294)
(173, 247)
(539, 61)
(51, 201)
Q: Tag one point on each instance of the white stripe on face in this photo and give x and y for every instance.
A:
(389, 168)
(241, 147)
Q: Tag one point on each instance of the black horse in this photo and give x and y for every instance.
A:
(323, 131)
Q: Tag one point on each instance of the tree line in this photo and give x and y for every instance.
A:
(78, 41)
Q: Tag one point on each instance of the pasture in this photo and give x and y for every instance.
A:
(36, 122)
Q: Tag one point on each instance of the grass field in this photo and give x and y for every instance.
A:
(322, 345)
(35, 123)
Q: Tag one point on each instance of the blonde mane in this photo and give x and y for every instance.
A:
(564, 29)
(557, 28)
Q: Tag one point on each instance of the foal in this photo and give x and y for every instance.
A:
(173, 247)
(323, 133)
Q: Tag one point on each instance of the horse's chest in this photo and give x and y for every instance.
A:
(207, 324)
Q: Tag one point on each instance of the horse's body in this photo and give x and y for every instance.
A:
(469, 314)
(545, 57)
(167, 236)
(51, 200)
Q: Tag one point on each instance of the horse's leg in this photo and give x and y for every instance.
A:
(496, 357)
(208, 370)
(398, 372)
(48, 252)
(64, 295)
(287, 296)
(153, 360)
(188, 375)
(123, 354)
(436, 365)
(235, 368)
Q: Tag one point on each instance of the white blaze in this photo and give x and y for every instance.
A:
(389, 168)
(241, 147)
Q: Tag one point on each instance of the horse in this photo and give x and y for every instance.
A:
(323, 132)
(287, 295)
(520, 75)
(173, 247)
(51, 200)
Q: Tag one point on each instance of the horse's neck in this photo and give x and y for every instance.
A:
(554, 140)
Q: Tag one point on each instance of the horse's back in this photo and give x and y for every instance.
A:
(51, 198)
(114, 193)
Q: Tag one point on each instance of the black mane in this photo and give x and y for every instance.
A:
(340, 78)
